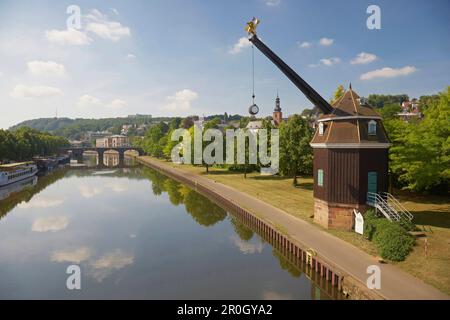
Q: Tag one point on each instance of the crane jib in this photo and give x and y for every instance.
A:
(301, 84)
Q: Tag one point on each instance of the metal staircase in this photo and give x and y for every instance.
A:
(390, 207)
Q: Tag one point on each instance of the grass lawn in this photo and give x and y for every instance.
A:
(431, 213)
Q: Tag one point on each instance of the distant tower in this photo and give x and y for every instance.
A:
(277, 114)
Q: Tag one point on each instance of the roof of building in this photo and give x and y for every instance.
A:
(256, 124)
(349, 105)
(348, 123)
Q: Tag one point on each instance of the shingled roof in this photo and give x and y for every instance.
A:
(348, 124)
(349, 105)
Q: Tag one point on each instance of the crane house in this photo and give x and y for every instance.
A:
(350, 151)
(350, 160)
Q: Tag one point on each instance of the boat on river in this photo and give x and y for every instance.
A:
(14, 172)
(6, 191)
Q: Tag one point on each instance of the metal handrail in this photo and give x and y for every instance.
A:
(397, 203)
(380, 203)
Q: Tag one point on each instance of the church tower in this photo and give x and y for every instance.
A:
(277, 114)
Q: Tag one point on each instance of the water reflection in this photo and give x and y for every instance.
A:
(6, 191)
(137, 234)
(110, 159)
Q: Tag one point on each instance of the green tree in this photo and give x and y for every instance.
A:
(339, 92)
(295, 151)
(155, 139)
(379, 100)
(420, 155)
(390, 111)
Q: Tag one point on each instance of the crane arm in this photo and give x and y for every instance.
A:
(301, 84)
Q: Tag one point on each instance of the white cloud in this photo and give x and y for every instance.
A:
(46, 68)
(100, 25)
(181, 100)
(41, 202)
(326, 62)
(114, 260)
(247, 247)
(116, 104)
(88, 191)
(87, 101)
(50, 224)
(23, 91)
(364, 58)
(326, 42)
(305, 44)
(242, 43)
(106, 264)
(131, 56)
(68, 37)
(273, 3)
(74, 256)
(118, 188)
(388, 73)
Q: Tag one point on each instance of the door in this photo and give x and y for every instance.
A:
(371, 184)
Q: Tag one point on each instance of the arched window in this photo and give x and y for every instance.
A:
(372, 127)
(321, 128)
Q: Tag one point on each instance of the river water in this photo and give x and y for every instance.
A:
(136, 234)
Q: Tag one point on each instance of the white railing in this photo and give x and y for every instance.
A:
(377, 201)
(397, 206)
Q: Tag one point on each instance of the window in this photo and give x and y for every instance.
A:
(372, 127)
(320, 178)
(321, 128)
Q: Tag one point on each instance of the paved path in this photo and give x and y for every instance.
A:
(395, 283)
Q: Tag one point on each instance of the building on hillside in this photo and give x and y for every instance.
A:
(200, 122)
(77, 143)
(93, 135)
(115, 141)
(410, 110)
(350, 161)
(277, 114)
(410, 106)
(125, 129)
(254, 126)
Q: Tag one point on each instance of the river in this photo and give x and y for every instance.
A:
(136, 234)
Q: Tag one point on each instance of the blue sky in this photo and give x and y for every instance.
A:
(181, 57)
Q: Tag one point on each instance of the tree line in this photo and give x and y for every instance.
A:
(25, 143)
(295, 135)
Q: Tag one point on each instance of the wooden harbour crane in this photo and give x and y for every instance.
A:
(301, 84)
(350, 152)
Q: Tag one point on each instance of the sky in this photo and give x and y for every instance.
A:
(185, 57)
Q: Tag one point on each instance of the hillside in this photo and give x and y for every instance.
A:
(45, 124)
(74, 128)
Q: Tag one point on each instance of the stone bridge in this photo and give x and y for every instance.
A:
(76, 153)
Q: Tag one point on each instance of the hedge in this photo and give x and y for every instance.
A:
(391, 238)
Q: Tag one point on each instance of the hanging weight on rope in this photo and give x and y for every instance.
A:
(253, 109)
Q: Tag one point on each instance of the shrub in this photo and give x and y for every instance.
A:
(370, 219)
(407, 225)
(393, 242)
(391, 238)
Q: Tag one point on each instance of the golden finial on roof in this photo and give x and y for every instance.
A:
(251, 26)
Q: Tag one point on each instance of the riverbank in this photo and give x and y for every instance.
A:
(396, 284)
